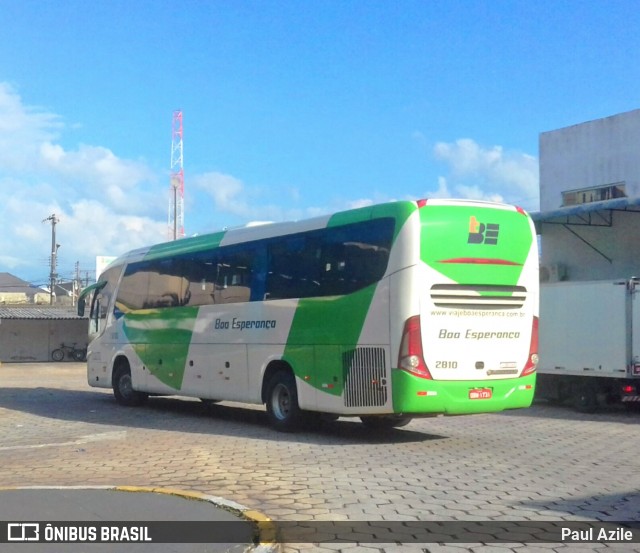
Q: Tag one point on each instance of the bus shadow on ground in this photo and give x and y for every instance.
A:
(193, 416)
(542, 408)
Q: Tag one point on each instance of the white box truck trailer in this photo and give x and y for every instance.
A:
(590, 304)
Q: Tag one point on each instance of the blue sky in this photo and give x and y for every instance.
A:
(291, 109)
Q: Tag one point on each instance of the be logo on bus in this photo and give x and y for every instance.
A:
(480, 233)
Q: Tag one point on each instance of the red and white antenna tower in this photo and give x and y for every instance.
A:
(176, 190)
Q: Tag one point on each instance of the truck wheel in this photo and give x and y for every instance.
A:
(385, 421)
(586, 398)
(123, 388)
(283, 410)
(57, 355)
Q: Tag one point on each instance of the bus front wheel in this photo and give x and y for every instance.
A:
(282, 402)
(385, 421)
(123, 388)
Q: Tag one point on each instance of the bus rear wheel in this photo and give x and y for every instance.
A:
(209, 402)
(283, 410)
(385, 421)
(123, 388)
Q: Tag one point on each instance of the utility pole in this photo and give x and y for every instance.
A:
(77, 284)
(54, 253)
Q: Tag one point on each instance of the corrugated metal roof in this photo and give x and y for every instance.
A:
(39, 313)
(577, 213)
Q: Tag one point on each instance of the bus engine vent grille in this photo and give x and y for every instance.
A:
(366, 377)
(478, 296)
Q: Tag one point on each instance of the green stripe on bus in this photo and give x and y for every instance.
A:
(323, 330)
(161, 338)
(319, 325)
(185, 246)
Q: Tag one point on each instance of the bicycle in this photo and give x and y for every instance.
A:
(72, 352)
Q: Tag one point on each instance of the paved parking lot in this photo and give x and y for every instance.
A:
(542, 464)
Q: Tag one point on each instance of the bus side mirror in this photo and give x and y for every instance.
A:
(81, 303)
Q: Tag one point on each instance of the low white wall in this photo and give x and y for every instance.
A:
(28, 341)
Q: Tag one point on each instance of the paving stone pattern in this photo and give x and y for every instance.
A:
(540, 464)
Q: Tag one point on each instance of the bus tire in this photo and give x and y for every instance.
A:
(123, 388)
(385, 421)
(209, 402)
(283, 410)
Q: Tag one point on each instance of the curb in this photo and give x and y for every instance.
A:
(266, 530)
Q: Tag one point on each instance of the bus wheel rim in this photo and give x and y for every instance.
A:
(281, 401)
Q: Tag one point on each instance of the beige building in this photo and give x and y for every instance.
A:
(15, 291)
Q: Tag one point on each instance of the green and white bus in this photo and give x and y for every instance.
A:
(387, 312)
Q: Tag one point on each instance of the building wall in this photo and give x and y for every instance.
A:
(597, 253)
(31, 340)
(591, 154)
(15, 298)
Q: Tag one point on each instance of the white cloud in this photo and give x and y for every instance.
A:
(118, 182)
(22, 130)
(106, 232)
(231, 195)
(489, 173)
(362, 202)
(228, 192)
(443, 189)
(99, 164)
(477, 193)
(105, 204)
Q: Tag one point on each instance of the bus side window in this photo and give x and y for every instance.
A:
(279, 278)
(99, 310)
(201, 292)
(234, 274)
(355, 256)
(153, 284)
(294, 267)
(199, 271)
(167, 285)
(94, 313)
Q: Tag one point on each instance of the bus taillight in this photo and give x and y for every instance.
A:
(410, 358)
(532, 360)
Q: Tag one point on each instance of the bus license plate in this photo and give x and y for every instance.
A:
(480, 393)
